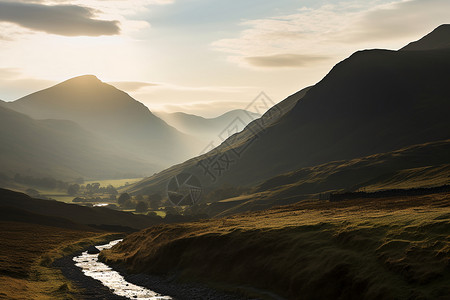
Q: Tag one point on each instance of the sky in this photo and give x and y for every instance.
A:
(198, 56)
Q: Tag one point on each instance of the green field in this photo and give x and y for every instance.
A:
(117, 183)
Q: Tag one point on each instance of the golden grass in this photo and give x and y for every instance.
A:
(115, 182)
(395, 248)
(26, 254)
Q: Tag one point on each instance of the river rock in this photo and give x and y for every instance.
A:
(93, 250)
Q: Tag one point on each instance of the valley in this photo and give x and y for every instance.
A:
(339, 191)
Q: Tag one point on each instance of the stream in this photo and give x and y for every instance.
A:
(92, 267)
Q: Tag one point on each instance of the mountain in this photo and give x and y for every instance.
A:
(158, 182)
(208, 129)
(112, 114)
(59, 148)
(375, 101)
(437, 39)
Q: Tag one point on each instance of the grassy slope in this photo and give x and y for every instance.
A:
(369, 249)
(410, 167)
(28, 249)
(29, 242)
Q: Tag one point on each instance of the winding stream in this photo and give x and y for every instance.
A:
(108, 277)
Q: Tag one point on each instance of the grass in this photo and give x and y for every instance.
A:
(393, 248)
(117, 183)
(26, 253)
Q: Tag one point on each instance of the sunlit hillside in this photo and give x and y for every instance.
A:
(392, 248)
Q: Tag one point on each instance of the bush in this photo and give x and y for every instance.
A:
(123, 198)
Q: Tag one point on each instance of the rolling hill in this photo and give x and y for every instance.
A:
(111, 114)
(59, 148)
(406, 168)
(55, 211)
(375, 101)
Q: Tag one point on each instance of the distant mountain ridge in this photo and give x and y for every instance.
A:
(208, 129)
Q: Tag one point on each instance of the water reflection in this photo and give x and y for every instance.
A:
(93, 268)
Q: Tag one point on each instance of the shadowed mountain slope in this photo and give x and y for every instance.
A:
(59, 148)
(375, 101)
(111, 113)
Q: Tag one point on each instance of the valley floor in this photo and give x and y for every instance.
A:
(389, 248)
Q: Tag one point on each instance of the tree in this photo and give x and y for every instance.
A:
(111, 190)
(155, 201)
(141, 207)
(123, 198)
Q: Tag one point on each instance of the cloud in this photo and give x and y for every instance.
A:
(14, 84)
(66, 20)
(284, 60)
(399, 19)
(333, 31)
(132, 86)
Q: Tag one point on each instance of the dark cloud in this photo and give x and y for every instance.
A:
(284, 60)
(131, 86)
(67, 20)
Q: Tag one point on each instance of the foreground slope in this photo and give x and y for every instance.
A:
(373, 102)
(392, 248)
(110, 113)
(59, 148)
(29, 244)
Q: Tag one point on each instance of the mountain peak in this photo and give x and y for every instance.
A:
(84, 80)
(439, 38)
